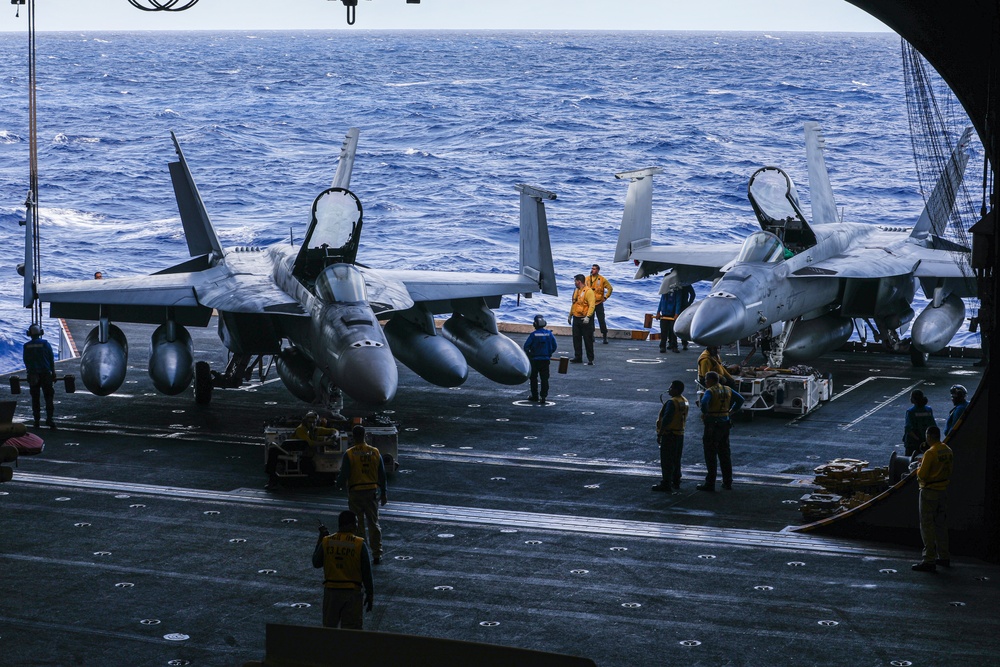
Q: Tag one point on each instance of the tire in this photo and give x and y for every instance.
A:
(389, 463)
(202, 383)
(918, 359)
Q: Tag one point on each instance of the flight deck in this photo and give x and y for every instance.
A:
(142, 535)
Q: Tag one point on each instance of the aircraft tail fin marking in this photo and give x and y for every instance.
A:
(934, 218)
(536, 249)
(824, 207)
(198, 229)
(637, 218)
(345, 165)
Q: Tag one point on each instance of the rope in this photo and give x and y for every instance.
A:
(32, 200)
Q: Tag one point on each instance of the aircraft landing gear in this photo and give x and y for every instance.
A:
(918, 359)
(202, 383)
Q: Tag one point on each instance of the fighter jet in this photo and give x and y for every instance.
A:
(313, 308)
(801, 285)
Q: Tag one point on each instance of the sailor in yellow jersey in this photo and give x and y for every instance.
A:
(581, 316)
(670, 436)
(717, 403)
(934, 474)
(709, 360)
(602, 292)
(346, 570)
(363, 472)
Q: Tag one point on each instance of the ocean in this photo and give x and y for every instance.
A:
(450, 122)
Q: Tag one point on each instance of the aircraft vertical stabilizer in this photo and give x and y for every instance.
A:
(198, 229)
(934, 218)
(637, 219)
(824, 207)
(345, 165)
(536, 250)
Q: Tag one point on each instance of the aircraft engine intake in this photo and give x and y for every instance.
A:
(433, 358)
(296, 372)
(934, 327)
(812, 338)
(494, 355)
(171, 358)
(103, 365)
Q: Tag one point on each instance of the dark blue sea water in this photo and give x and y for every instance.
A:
(450, 122)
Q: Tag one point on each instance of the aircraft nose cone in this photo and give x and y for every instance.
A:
(719, 320)
(368, 374)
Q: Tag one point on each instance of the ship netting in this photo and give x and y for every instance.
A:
(937, 120)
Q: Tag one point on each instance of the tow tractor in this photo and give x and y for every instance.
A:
(797, 390)
(296, 460)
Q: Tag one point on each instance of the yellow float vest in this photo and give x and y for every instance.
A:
(342, 561)
(364, 467)
(677, 420)
(720, 402)
(581, 305)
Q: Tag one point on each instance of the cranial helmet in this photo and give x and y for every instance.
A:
(539, 322)
(34, 331)
(958, 390)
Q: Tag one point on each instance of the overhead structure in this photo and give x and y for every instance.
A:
(162, 5)
(961, 40)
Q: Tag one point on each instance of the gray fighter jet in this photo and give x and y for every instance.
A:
(315, 297)
(801, 285)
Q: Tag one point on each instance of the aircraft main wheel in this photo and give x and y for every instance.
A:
(202, 383)
(918, 359)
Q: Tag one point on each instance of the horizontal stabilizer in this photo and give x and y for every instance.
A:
(345, 165)
(637, 218)
(198, 229)
(934, 218)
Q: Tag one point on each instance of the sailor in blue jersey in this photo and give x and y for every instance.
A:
(717, 404)
(919, 417)
(960, 401)
(40, 364)
(539, 347)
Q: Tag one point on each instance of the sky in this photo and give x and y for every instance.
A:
(716, 15)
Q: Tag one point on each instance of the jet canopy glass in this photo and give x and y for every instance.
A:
(776, 204)
(761, 247)
(341, 283)
(333, 234)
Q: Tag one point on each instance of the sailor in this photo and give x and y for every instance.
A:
(39, 362)
(602, 292)
(310, 431)
(363, 472)
(960, 402)
(346, 570)
(539, 347)
(710, 361)
(934, 473)
(919, 417)
(666, 312)
(581, 316)
(717, 404)
(670, 436)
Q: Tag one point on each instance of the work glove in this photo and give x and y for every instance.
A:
(569, 320)
(323, 532)
(369, 601)
(383, 500)
(586, 320)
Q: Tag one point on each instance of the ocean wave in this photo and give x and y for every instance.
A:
(450, 122)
